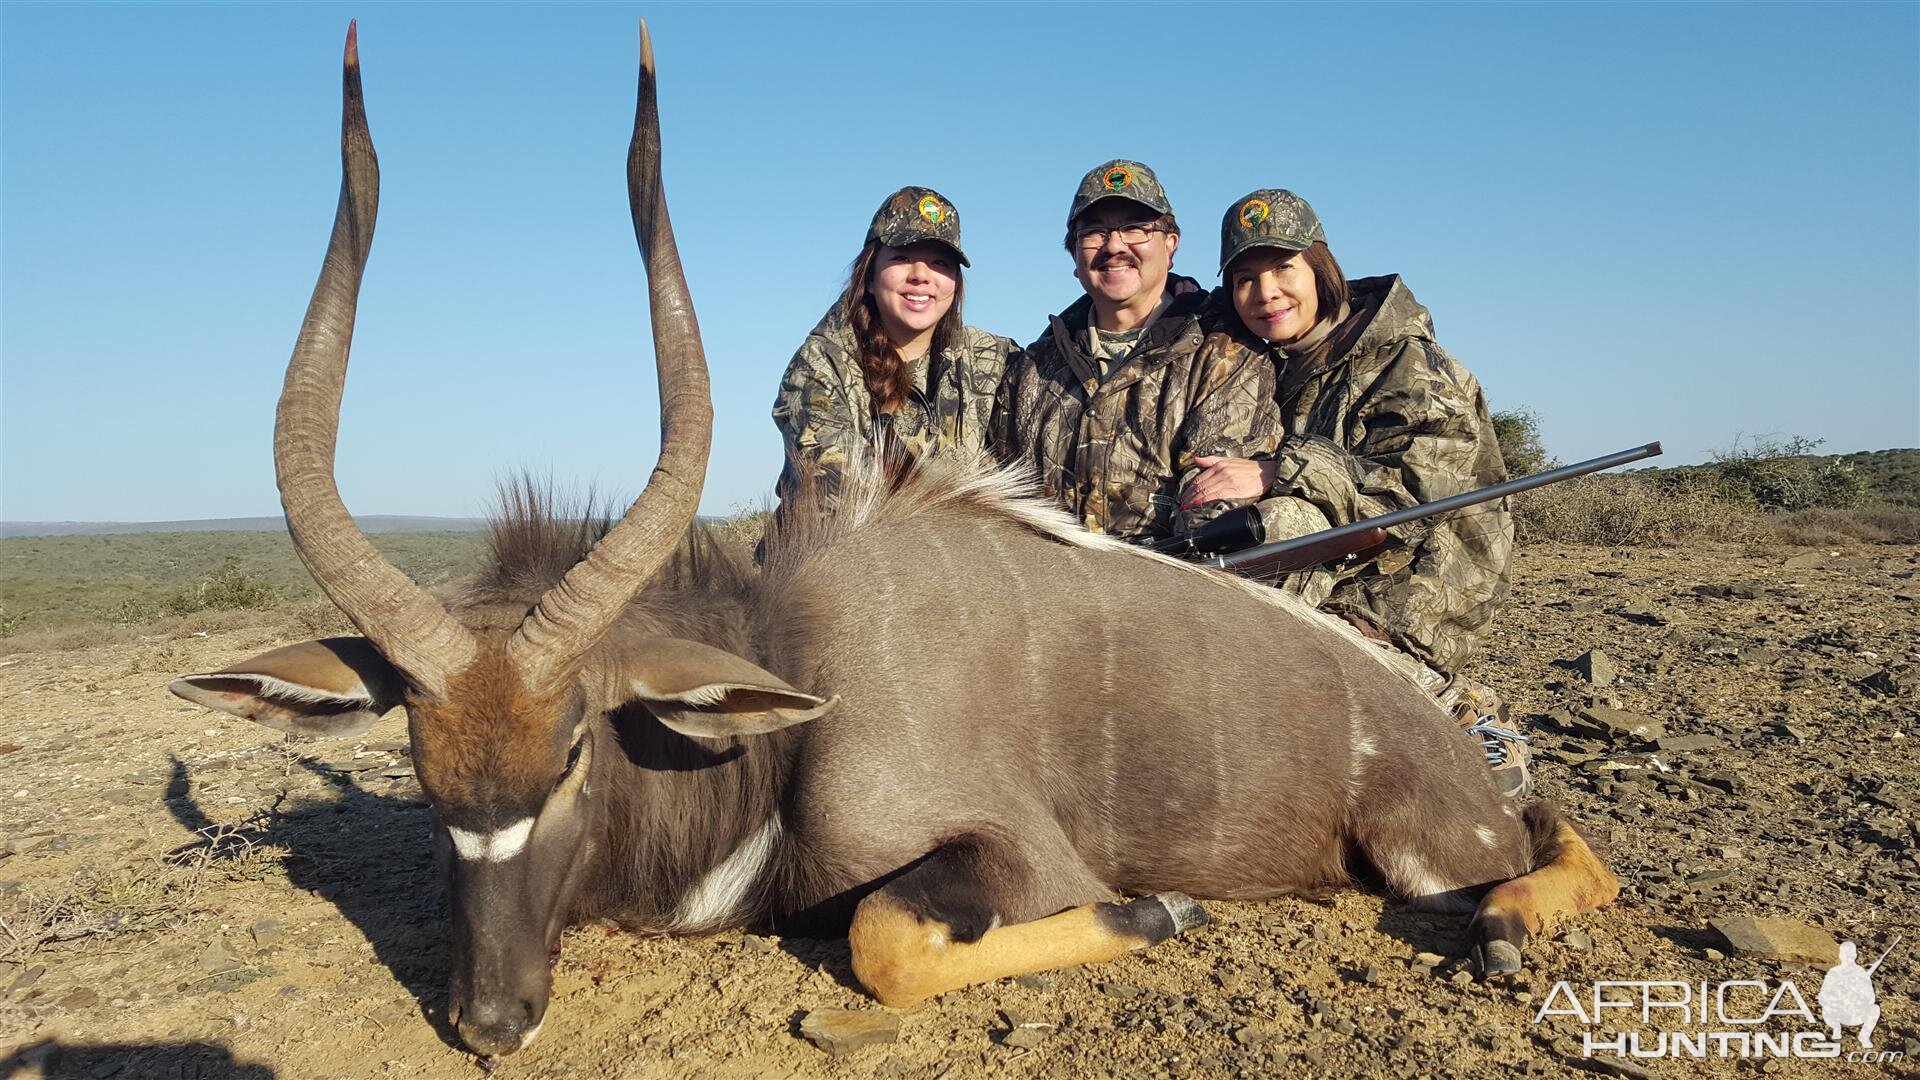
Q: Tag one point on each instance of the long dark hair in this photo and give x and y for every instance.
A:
(881, 365)
(1329, 283)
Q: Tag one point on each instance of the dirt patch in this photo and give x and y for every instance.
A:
(185, 895)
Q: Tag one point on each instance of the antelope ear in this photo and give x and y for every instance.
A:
(710, 693)
(331, 688)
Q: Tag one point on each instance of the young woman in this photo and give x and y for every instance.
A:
(891, 370)
(1375, 416)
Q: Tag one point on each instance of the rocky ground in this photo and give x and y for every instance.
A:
(186, 896)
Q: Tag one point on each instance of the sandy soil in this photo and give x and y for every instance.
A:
(185, 895)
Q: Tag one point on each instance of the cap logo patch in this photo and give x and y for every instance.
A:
(932, 210)
(1253, 212)
(1117, 178)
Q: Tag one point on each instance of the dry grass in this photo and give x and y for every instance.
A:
(1627, 511)
(167, 627)
(1827, 528)
(107, 902)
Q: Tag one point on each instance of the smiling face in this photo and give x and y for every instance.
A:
(913, 289)
(1117, 274)
(1274, 293)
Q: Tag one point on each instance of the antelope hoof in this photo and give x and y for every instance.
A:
(1496, 957)
(1153, 919)
(1185, 912)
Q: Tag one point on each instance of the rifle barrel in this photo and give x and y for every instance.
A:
(1438, 506)
(1883, 954)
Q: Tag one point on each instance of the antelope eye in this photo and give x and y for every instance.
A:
(573, 758)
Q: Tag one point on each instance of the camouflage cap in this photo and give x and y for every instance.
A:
(1120, 179)
(1269, 217)
(913, 214)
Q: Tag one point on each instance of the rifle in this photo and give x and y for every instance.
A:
(1232, 541)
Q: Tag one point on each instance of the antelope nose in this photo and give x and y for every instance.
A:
(494, 1030)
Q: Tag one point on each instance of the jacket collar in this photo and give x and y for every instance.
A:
(1189, 300)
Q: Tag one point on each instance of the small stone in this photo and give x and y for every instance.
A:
(83, 998)
(1606, 1066)
(1807, 560)
(1880, 683)
(1463, 977)
(1027, 1036)
(1797, 734)
(27, 978)
(1714, 955)
(1758, 656)
(1428, 960)
(1596, 667)
(842, 1031)
(1034, 980)
(1731, 783)
(1370, 975)
(265, 932)
(1614, 723)
(218, 957)
(1685, 743)
(1642, 615)
(1120, 990)
(1777, 939)
(1577, 939)
(1710, 879)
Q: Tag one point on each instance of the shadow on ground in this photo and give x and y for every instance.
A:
(368, 854)
(55, 1060)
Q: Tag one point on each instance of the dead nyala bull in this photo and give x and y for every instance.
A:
(945, 720)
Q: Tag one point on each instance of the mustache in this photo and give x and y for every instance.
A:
(1105, 261)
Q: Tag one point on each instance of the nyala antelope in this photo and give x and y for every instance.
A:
(943, 720)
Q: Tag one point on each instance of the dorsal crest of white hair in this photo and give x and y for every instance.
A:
(869, 498)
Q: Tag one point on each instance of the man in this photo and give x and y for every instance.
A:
(1113, 403)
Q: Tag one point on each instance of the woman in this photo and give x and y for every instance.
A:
(1375, 416)
(890, 371)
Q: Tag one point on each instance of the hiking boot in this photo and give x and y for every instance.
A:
(1505, 748)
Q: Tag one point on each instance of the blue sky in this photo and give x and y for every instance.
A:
(1681, 222)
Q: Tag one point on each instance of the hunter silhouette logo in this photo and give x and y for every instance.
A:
(1117, 178)
(1253, 212)
(1846, 995)
(931, 209)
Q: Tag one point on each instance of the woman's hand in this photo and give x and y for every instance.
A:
(1227, 478)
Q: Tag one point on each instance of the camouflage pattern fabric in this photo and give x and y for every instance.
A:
(1378, 417)
(825, 414)
(1119, 179)
(917, 213)
(1115, 452)
(1269, 217)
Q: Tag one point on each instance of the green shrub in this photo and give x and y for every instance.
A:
(1781, 474)
(1521, 447)
(226, 587)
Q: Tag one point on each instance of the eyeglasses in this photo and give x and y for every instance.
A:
(1095, 236)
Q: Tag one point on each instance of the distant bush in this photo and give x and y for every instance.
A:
(1824, 526)
(1781, 473)
(226, 587)
(1628, 509)
(1521, 447)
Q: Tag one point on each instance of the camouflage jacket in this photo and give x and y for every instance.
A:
(1377, 417)
(1115, 452)
(825, 414)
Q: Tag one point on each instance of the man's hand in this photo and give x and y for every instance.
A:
(1227, 478)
